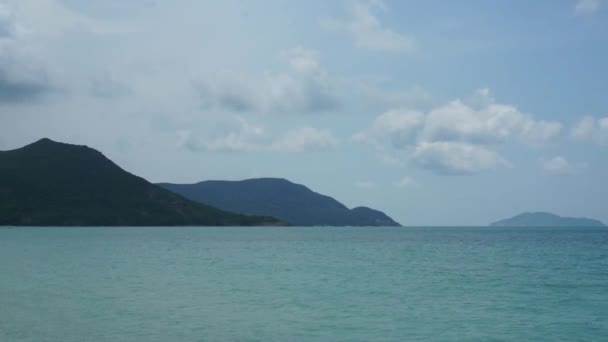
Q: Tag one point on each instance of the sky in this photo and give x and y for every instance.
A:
(437, 113)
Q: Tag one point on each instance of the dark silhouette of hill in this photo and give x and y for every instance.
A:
(55, 184)
(541, 219)
(280, 198)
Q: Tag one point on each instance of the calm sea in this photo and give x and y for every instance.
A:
(300, 284)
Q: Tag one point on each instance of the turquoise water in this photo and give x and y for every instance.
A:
(300, 284)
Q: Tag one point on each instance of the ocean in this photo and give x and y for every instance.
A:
(303, 284)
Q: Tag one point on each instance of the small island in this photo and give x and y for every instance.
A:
(543, 219)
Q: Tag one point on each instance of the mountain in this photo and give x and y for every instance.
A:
(54, 184)
(541, 219)
(365, 216)
(280, 198)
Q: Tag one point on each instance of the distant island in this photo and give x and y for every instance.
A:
(542, 219)
(292, 203)
(55, 184)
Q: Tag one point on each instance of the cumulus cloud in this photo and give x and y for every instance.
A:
(540, 132)
(458, 137)
(304, 88)
(591, 129)
(244, 136)
(456, 121)
(456, 158)
(587, 6)
(400, 125)
(492, 124)
(367, 30)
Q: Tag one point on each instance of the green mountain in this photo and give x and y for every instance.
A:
(280, 198)
(541, 219)
(54, 184)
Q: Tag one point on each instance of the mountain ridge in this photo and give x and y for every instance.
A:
(48, 183)
(291, 202)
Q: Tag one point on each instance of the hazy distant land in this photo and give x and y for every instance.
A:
(289, 202)
(543, 219)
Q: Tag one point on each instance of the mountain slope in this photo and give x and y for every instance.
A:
(48, 183)
(280, 198)
(541, 219)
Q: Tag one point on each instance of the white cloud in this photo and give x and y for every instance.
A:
(492, 123)
(400, 125)
(243, 136)
(367, 30)
(591, 129)
(365, 185)
(584, 129)
(304, 88)
(466, 130)
(540, 132)
(587, 6)
(481, 98)
(457, 121)
(560, 165)
(456, 157)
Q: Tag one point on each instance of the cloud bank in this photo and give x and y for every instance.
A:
(21, 79)
(303, 88)
(458, 138)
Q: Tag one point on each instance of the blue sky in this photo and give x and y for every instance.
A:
(436, 113)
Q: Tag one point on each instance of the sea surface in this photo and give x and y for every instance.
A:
(303, 284)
